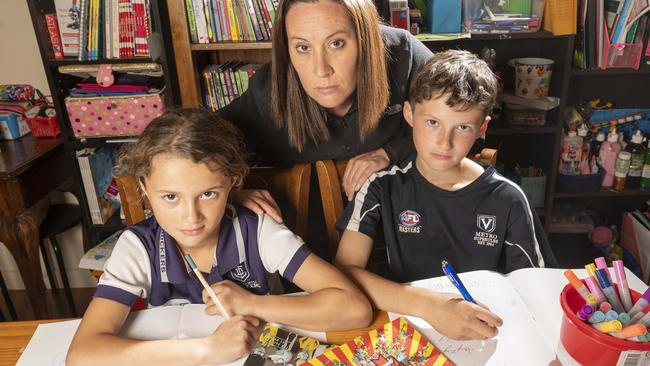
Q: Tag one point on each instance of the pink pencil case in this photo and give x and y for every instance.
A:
(113, 115)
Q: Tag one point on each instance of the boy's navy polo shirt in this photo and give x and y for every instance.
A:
(147, 263)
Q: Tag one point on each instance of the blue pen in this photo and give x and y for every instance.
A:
(448, 270)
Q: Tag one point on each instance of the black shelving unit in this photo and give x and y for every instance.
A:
(538, 146)
(60, 84)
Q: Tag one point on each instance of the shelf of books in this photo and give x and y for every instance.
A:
(106, 65)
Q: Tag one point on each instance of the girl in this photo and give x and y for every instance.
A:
(187, 162)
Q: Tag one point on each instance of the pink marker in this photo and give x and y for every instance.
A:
(594, 288)
(601, 263)
(623, 288)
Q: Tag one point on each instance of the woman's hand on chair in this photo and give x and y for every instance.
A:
(360, 167)
(259, 201)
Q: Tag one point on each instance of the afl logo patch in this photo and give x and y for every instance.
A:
(409, 218)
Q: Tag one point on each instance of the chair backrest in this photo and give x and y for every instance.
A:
(290, 185)
(329, 180)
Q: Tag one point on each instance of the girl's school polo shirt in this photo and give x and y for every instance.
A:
(147, 263)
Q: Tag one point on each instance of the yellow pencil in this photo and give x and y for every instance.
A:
(207, 287)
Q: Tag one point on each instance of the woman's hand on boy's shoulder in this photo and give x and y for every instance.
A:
(231, 340)
(259, 201)
(360, 168)
(459, 319)
(236, 300)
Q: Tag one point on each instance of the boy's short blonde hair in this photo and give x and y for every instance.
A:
(190, 133)
(466, 81)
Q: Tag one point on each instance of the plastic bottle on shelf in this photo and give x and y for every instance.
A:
(622, 167)
(636, 148)
(571, 154)
(645, 172)
(595, 144)
(608, 153)
(584, 166)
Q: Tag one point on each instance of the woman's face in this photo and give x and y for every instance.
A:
(324, 52)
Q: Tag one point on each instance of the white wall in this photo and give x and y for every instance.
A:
(20, 63)
(21, 60)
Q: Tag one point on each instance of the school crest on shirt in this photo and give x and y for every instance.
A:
(409, 222)
(242, 274)
(484, 235)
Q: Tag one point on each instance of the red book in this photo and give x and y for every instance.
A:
(55, 36)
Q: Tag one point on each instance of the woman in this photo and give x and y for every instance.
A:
(333, 90)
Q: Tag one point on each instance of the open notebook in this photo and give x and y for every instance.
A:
(528, 301)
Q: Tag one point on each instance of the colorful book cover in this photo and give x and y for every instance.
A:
(397, 343)
(95, 258)
(281, 347)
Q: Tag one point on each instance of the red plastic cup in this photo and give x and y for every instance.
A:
(584, 343)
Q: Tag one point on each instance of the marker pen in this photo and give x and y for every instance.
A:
(605, 307)
(577, 284)
(601, 263)
(610, 294)
(640, 314)
(641, 338)
(594, 288)
(597, 317)
(591, 270)
(645, 320)
(641, 303)
(630, 331)
(611, 315)
(608, 326)
(585, 312)
(624, 318)
(592, 301)
(623, 289)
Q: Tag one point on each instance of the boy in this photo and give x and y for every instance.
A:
(439, 204)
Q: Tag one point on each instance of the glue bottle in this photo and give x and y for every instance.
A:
(608, 153)
(637, 151)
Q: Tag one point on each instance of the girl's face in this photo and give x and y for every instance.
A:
(188, 199)
(324, 52)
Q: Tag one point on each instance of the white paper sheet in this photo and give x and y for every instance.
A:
(519, 342)
(50, 342)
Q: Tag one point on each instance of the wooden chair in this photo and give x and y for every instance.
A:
(290, 185)
(330, 174)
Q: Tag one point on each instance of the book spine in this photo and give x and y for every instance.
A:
(248, 33)
(257, 17)
(215, 19)
(191, 22)
(83, 158)
(115, 29)
(233, 20)
(224, 21)
(268, 16)
(207, 12)
(68, 19)
(201, 27)
(55, 38)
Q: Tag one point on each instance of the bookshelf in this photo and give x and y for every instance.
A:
(60, 84)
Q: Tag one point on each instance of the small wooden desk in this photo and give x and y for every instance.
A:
(29, 169)
(14, 336)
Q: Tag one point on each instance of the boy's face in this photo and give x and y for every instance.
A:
(188, 199)
(443, 135)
